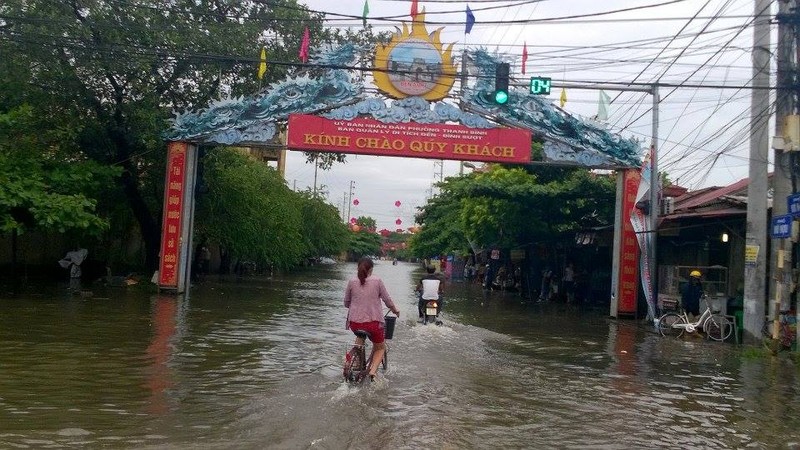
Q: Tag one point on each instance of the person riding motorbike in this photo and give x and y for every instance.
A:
(430, 287)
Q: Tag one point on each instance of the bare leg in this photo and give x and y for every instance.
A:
(380, 349)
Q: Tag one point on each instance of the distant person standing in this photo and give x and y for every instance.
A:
(72, 261)
(691, 293)
(547, 277)
(481, 273)
(205, 261)
(568, 281)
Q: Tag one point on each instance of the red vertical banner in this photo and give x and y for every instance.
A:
(173, 211)
(629, 253)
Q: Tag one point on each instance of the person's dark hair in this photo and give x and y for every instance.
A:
(364, 266)
(430, 269)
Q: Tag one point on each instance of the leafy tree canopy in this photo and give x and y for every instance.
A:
(322, 228)
(39, 187)
(508, 207)
(364, 240)
(109, 73)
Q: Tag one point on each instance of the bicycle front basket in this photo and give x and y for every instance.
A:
(390, 321)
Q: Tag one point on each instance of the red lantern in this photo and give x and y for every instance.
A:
(398, 221)
(353, 220)
(385, 232)
(397, 203)
(355, 202)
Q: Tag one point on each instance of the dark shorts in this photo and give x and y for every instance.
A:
(376, 330)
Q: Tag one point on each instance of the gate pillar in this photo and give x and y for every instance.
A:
(625, 264)
(177, 224)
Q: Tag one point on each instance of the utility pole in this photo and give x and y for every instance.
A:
(785, 104)
(655, 205)
(344, 204)
(756, 237)
(350, 200)
(461, 96)
(316, 166)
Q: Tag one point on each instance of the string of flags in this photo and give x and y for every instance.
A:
(262, 64)
(303, 54)
(470, 21)
(304, 46)
(524, 57)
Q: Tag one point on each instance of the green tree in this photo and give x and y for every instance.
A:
(508, 207)
(363, 239)
(323, 232)
(249, 210)
(117, 69)
(39, 187)
(246, 208)
(367, 222)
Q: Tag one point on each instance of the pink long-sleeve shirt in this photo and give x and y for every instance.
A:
(364, 302)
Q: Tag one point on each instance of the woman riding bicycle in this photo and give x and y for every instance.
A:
(363, 297)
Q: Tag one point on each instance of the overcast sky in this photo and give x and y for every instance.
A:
(703, 131)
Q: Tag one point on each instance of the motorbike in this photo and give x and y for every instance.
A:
(431, 310)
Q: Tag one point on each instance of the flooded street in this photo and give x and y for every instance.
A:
(257, 364)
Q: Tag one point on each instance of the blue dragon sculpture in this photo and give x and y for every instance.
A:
(254, 119)
(568, 139)
(330, 86)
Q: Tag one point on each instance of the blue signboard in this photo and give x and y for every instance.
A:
(782, 226)
(793, 203)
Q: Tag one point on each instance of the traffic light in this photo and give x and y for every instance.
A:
(501, 83)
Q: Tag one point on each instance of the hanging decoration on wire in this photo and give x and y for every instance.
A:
(353, 220)
(397, 203)
(398, 221)
(355, 202)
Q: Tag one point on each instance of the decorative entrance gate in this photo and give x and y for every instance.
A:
(326, 109)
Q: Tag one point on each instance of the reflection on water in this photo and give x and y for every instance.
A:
(159, 352)
(257, 364)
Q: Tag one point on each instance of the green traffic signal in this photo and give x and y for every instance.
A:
(501, 97)
(501, 83)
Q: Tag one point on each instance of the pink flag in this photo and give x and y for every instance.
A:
(304, 46)
(414, 11)
(524, 57)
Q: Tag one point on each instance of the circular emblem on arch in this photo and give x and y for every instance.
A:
(415, 63)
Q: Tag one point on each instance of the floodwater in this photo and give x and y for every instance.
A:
(257, 364)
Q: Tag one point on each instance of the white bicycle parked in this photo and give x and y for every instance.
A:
(715, 326)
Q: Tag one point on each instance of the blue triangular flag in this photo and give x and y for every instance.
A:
(470, 21)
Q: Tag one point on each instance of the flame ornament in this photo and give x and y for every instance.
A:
(415, 63)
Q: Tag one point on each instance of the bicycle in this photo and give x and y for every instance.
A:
(356, 364)
(786, 335)
(715, 326)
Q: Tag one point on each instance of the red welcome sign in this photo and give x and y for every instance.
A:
(171, 222)
(414, 140)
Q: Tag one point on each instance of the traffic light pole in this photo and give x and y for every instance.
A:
(598, 86)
